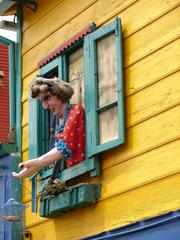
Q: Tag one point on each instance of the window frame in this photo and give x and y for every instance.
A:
(92, 163)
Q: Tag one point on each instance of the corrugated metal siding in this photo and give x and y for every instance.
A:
(4, 94)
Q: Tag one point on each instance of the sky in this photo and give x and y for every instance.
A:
(5, 33)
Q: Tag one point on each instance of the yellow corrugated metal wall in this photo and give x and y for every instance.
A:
(142, 178)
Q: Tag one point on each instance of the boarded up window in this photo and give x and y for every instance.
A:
(107, 88)
(76, 75)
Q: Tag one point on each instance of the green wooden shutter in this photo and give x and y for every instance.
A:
(93, 97)
(33, 142)
(33, 128)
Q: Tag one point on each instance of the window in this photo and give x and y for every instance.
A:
(92, 63)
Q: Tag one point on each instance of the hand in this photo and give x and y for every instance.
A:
(28, 168)
(33, 165)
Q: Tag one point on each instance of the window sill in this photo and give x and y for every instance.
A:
(90, 165)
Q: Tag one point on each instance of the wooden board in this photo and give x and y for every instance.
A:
(54, 19)
(146, 41)
(146, 136)
(154, 67)
(151, 166)
(149, 200)
(95, 14)
(152, 100)
(43, 7)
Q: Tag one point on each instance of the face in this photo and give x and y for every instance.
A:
(52, 103)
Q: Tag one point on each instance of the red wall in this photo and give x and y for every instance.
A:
(4, 94)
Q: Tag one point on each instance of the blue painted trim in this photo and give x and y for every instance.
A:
(162, 227)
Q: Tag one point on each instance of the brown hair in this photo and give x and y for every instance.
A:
(54, 86)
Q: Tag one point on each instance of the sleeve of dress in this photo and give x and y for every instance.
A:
(63, 148)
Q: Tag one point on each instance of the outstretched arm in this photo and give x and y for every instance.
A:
(33, 165)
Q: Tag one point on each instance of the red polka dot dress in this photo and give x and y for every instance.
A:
(71, 136)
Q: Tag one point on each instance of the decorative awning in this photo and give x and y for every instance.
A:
(76, 38)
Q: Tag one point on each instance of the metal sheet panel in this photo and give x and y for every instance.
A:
(5, 5)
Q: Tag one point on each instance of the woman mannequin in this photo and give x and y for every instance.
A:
(70, 134)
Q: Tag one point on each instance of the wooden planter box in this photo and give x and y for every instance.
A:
(78, 196)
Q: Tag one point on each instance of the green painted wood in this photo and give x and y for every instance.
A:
(7, 148)
(120, 87)
(33, 133)
(64, 67)
(56, 65)
(77, 170)
(12, 86)
(18, 80)
(91, 77)
(90, 165)
(90, 95)
(106, 31)
(16, 96)
(78, 196)
(49, 66)
(97, 169)
(33, 130)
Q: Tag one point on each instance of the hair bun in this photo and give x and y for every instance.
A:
(63, 90)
